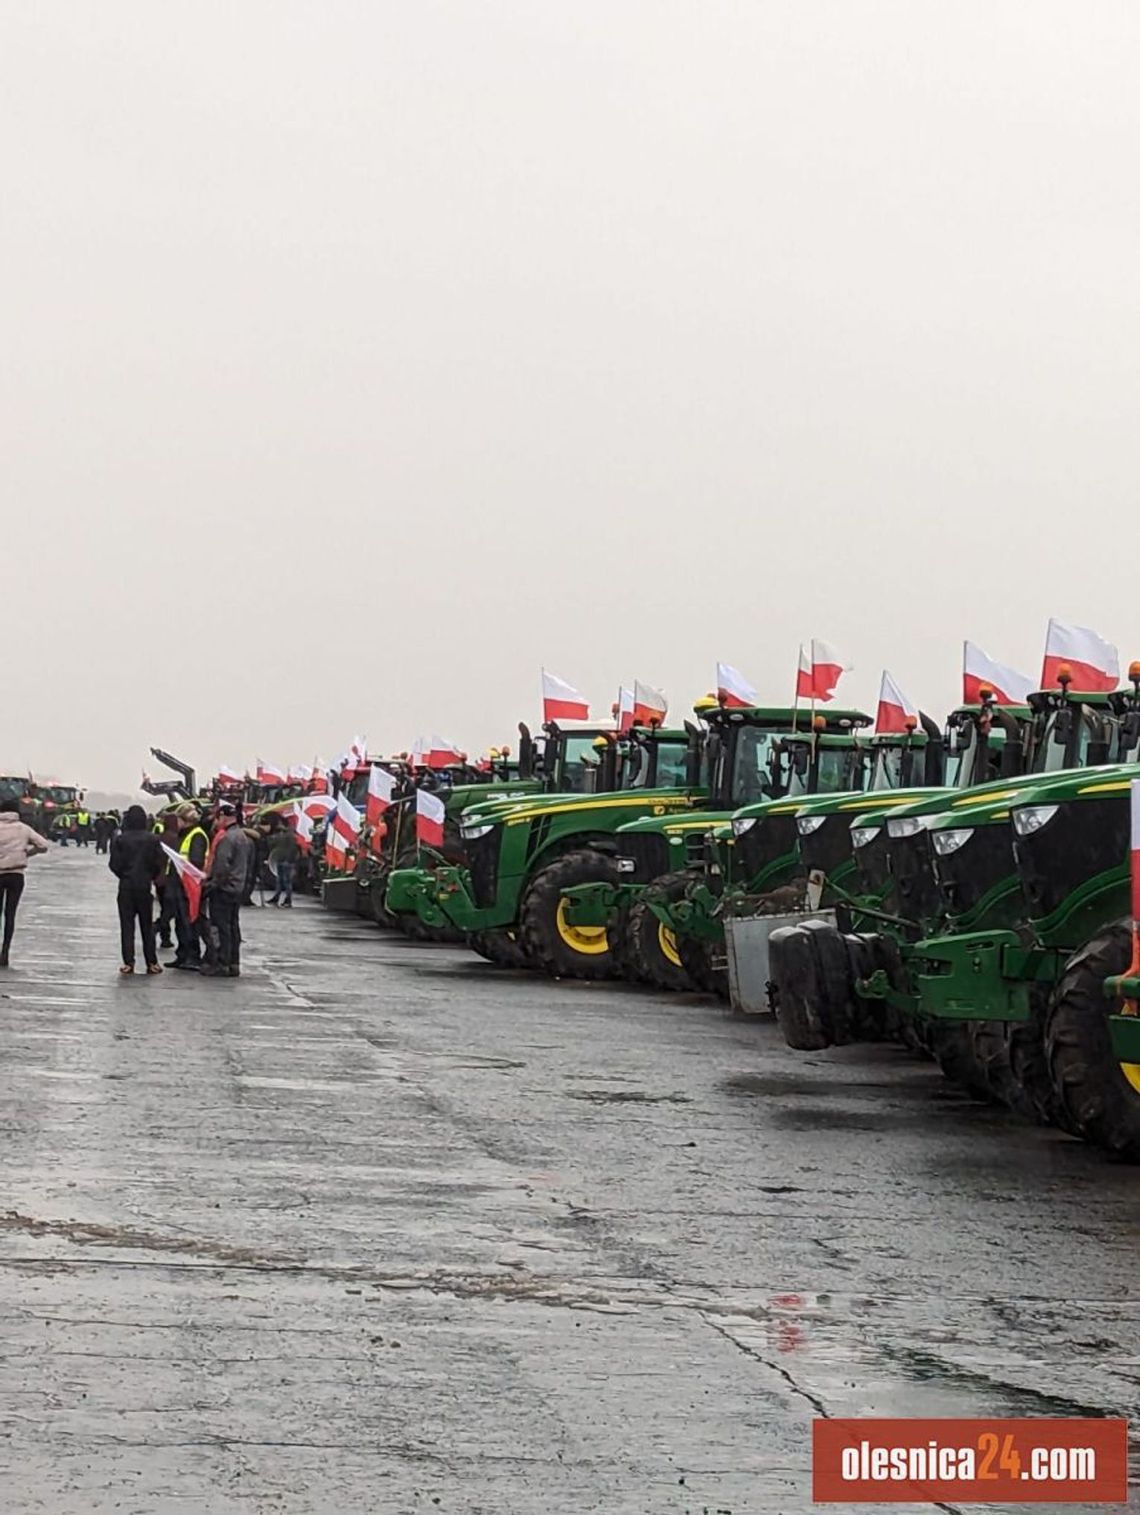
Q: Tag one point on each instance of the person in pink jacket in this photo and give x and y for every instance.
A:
(17, 843)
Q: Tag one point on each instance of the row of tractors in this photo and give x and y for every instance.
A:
(43, 806)
(960, 889)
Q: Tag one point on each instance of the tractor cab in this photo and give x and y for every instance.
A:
(656, 757)
(985, 741)
(754, 753)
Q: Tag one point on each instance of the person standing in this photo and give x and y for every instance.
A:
(83, 828)
(284, 853)
(193, 844)
(136, 861)
(17, 843)
(168, 832)
(232, 859)
(104, 826)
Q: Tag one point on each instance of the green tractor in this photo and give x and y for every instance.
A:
(935, 896)
(519, 855)
(25, 792)
(669, 892)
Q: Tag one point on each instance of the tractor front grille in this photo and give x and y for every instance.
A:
(967, 875)
(772, 837)
(650, 853)
(483, 864)
(1084, 838)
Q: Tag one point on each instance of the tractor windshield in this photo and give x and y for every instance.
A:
(13, 789)
(757, 766)
(61, 794)
(670, 765)
(1061, 746)
(887, 769)
(580, 763)
(828, 772)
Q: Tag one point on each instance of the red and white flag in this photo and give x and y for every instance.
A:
(304, 831)
(623, 710)
(269, 773)
(300, 773)
(317, 806)
(1135, 856)
(381, 787)
(441, 754)
(732, 689)
(418, 758)
(980, 672)
(561, 701)
(896, 713)
(228, 775)
(821, 668)
(650, 706)
(192, 879)
(358, 750)
(1093, 663)
(429, 818)
(345, 820)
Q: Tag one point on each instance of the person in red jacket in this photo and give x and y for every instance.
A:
(17, 843)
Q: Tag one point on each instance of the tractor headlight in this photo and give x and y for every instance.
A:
(745, 823)
(907, 825)
(1031, 818)
(861, 836)
(946, 842)
(473, 833)
(809, 823)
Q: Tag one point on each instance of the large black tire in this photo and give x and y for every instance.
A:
(952, 1043)
(1029, 1063)
(650, 952)
(696, 953)
(833, 981)
(793, 967)
(549, 944)
(1100, 1102)
(502, 948)
(992, 1047)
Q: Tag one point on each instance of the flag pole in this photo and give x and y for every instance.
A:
(796, 699)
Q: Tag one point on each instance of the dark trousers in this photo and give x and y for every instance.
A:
(136, 905)
(225, 914)
(185, 930)
(11, 888)
(83, 836)
(166, 911)
(101, 840)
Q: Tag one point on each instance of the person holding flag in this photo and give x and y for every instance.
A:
(192, 846)
(284, 855)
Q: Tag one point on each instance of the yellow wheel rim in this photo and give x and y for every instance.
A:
(1131, 1072)
(667, 941)
(589, 940)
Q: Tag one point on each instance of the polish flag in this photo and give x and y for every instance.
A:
(304, 831)
(1093, 663)
(819, 671)
(429, 818)
(1135, 797)
(381, 787)
(299, 774)
(228, 775)
(442, 754)
(896, 714)
(732, 689)
(980, 672)
(192, 879)
(561, 701)
(336, 853)
(358, 750)
(269, 773)
(418, 757)
(345, 820)
(650, 706)
(624, 709)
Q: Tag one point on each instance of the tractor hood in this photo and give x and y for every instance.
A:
(1030, 789)
(686, 820)
(531, 807)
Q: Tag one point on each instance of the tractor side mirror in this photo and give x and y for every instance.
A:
(801, 758)
(1097, 753)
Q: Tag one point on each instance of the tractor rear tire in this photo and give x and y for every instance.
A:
(952, 1043)
(1029, 1062)
(793, 968)
(650, 951)
(993, 1053)
(550, 943)
(696, 954)
(501, 947)
(1100, 1098)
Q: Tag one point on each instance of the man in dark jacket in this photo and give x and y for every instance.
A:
(136, 861)
(231, 861)
(193, 844)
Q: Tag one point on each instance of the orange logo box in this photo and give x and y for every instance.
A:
(1027, 1461)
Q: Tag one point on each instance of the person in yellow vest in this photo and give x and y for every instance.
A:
(193, 845)
(83, 828)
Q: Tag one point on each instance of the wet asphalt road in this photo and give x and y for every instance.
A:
(379, 1228)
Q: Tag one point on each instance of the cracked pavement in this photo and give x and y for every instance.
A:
(380, 1228)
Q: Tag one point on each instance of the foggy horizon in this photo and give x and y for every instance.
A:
(363, 359)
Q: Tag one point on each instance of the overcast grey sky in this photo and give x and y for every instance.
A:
(360, 357)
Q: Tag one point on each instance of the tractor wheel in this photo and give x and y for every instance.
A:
(793, 969)
(650, 950)
(502, 948)
(696, 956)
(834, 987)
(869, 1017)
(952, 1044)
(992, 1048)
(550, 942)
(1029, 1062)
(1099, 1095)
